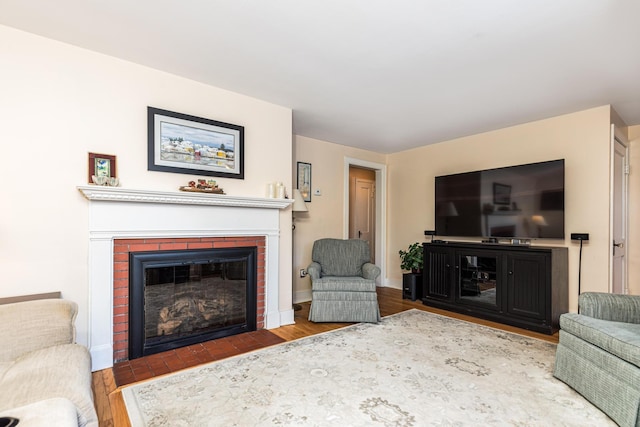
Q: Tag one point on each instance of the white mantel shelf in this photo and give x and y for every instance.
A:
(118, 194)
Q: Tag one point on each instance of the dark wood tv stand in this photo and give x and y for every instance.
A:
(523, 286)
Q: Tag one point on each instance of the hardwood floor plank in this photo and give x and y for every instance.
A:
(108, 397)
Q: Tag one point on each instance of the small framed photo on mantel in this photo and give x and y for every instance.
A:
(101, 166)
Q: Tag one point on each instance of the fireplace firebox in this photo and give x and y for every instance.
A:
(184, 297)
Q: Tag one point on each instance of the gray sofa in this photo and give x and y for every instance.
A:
(599, 354)
(343, 282)
(45, 378)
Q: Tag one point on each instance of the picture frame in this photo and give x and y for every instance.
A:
(304, 180)
(501, 194)
(101, 165)
(181, 143)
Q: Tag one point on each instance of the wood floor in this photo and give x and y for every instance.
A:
(108, 398)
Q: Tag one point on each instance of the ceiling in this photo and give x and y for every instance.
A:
(381, 75)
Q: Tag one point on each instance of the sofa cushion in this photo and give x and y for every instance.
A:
(58, 411)
(58, 371)
(4, 367)
(618, 338)
(32, 325)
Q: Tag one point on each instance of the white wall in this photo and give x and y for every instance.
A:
(59, 102)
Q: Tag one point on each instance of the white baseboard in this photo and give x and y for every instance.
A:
(302, 296)
(286, 317)
(101, 357)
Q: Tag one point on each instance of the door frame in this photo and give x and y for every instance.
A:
(381, 210)
(618, 137)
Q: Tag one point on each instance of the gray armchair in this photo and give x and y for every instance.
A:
(343, 282)
(599, 354)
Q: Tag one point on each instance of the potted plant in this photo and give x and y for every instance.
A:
(412, 260)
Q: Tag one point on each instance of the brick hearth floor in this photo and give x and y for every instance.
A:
(143, 368)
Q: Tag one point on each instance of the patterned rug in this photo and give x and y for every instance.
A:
(413, 369)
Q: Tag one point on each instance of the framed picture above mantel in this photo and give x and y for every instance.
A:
(181, 143)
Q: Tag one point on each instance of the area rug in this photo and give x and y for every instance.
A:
(412, 369)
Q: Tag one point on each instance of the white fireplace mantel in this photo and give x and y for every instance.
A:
(118, 194)
(116, 212)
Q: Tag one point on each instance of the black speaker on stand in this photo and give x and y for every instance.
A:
(582, 237)
(430, 233)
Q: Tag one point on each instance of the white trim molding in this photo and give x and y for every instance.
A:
(123, 213)
(117, 194)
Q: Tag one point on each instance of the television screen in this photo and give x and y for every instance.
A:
(524, 201)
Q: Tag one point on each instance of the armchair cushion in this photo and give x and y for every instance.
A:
(352, 284)
(340, 258)
(618, 338)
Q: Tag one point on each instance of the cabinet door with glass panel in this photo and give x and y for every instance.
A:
(478, 276)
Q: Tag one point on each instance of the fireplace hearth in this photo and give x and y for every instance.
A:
(179, 298)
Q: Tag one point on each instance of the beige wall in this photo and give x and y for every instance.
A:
(326, 212)
(633, 247)
(582, 139)
(60, 102)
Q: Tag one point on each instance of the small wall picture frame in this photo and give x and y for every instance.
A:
(501, 194)
(304, 180)
(101, 165)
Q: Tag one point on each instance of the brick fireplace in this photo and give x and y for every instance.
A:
(124, 220)
(123, 247)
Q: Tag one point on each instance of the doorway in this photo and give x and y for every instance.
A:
(619, 212)
(362, 203)
(375, 216)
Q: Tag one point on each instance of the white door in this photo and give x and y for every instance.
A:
(619, 195)
(364, 212)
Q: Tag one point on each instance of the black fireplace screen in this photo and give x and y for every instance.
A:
(180, 298)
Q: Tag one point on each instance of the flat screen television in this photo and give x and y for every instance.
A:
(518, 202)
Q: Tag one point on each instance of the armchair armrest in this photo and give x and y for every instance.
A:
(370, 271)
(614, 307)
(314, 270)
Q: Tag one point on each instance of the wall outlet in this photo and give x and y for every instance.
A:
(303, 272)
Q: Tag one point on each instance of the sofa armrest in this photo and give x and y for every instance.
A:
(314, 270)
(57, 411)
(614, 307)
(32, 325)
(370, 271)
